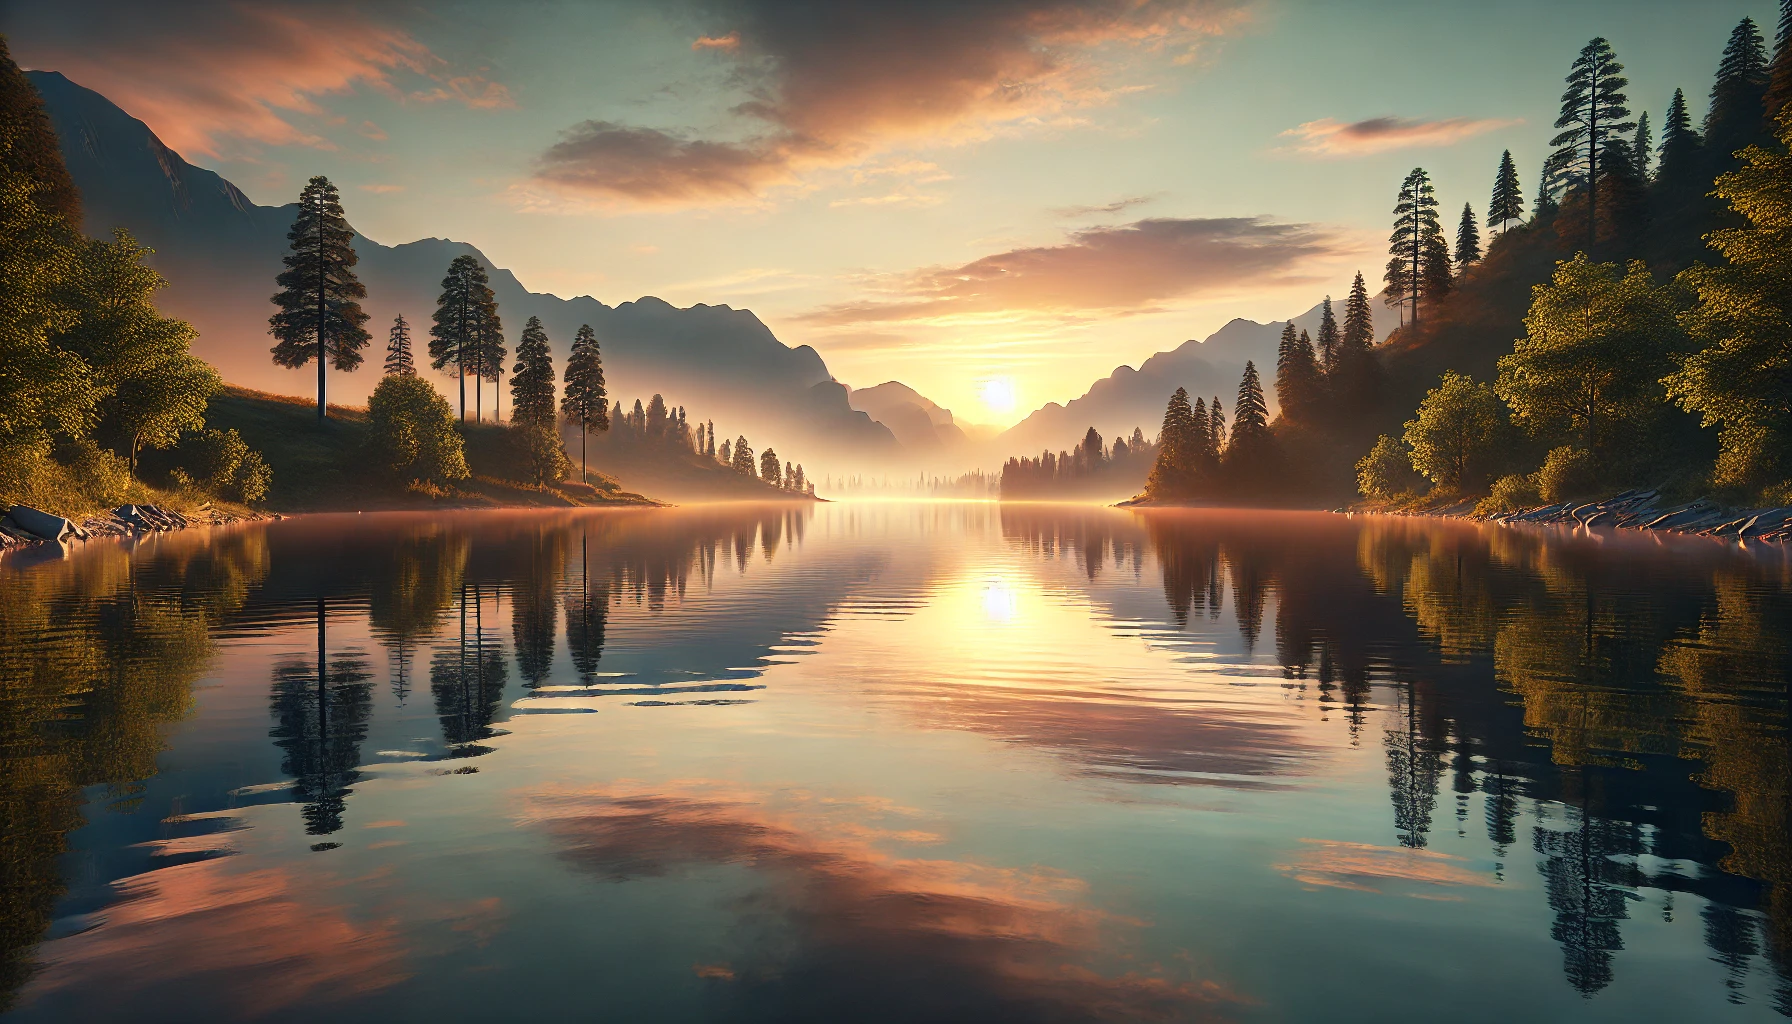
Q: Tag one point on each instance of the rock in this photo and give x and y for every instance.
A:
(1766, 522)
(43, 525)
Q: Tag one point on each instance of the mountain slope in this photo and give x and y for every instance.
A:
(220, 253)
(922, 427)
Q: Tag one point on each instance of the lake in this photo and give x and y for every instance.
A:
(896, 762)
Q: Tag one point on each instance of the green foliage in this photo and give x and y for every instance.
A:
(398, 348)
(1741, 379)
(412, 431)
(1568, 472)
(542, 452)
(1455, 433)
(1642, 147)
(1597, 343)
(582, 395)
(30, 146)
(466, 313)
(43, 389)
(1511, 493)
(1738, 92)
(1468, 239)
(1179, 452)
(1299, 385)
(221, 463)
(1507, 204)
(1594, 113)
(1680, 144)
(150, 388)
(1328, 340)
(1779, 70)
(1386, 473)
(532, 379)
(1415, 228)
(1250, 415)
(319, 316)
(771, 469)
(742, 457)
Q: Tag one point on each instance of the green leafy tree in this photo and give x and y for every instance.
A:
(412, 431)
(320, 317)
(221, 462)
(1454, 434)
(464, 311)
(742, 457)
(532, 379)
(1468, 239)
(398, 348)
(1386, 473)
(1740, 380)
(1594, 112)
(1738, 95)
(30, 146)
(770, 468)
(150, 388)
(1507, 204)
(543, 453)
(1415, 227)
(1597, 342)
(582, 394)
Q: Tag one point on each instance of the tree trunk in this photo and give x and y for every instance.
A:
(321, 282)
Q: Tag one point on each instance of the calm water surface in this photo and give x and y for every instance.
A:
(896, 762)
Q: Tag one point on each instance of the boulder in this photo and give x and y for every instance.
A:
(43, 525)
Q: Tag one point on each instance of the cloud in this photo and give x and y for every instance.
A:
(1328, 137)
(993, 943)
(657, 167)
(833, 90)
(381, 189)
(206, 73)
(1124, 267)
(1366, 868)
(1073, 212)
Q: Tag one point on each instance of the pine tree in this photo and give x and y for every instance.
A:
(398, 348)
(770, 468)
(532, 379)
(1216, 422)
(1438, 280)
(463, 312)
(1546, 195)
(1507, 204)
(1737, 96)
(743, 457)
(1203, 427)
(1328, 334)
(319, 317)
(1623, 194)
(1359, 320)
(1297, 377)
(582, 394)
(1170, 478)
(1250, 415)
(1468, 239)
(1779, 71)
(1593, 111)
(710, 429)
(727, 458)
(1415, 225)
(1680, 145)
(1642, 148)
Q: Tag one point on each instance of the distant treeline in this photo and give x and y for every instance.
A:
(658, 424)
(1087, 469)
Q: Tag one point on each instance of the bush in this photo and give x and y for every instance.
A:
(1386, 473)
(1511, 493)
(542, 453)
(413, 431)
(1567, 473)
(221, 464)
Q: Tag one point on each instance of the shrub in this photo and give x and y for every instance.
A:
(1567, 473)
(220, 463)
(1511, 493)
(543, 453)
(1386, 473)
(413, 431)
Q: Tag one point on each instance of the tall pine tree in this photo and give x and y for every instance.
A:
(1779, 70)
(1737, 97)
(1172, 476)
(1642, 148)
(1328, 334)
(532, 379)
(1297, 377)
(1468, 239)
(398, 348)
(1250, 414)
(1680, 145)
(1415, 226)
(1593, 111)
(463, 312)
(319, 316)
(1545, 206)
(582, 393)
(1507, 204)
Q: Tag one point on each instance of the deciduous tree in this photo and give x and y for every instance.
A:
(412, 430)
(1455, 431)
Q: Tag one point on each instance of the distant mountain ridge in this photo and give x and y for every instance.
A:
(220, 252)
(923, 427)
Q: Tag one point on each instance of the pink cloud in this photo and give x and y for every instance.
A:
(1329, 137)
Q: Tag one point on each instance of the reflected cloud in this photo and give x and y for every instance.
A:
(1367, 868)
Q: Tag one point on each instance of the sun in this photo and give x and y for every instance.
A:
(997, 394)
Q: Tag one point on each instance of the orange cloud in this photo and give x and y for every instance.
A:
(994, 944)
(1367, 868)
(1328, 137)
(209, 72)
(833, 91)
(1102, 268)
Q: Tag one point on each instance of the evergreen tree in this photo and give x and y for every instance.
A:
(1642, 148)
(1623, 195)
(319, 316)
(1680, 144)
(1741, 381)
(1468, 239)
(1546, 195)
(1359, 319)
(463, 312)
(1216, 422)
(1327, 341)
(1415, 228)
(743, 457)
(1297, 377)
(490, 363)
(726, 458)
(1507, 204)
(710, 430)
(1250, 415)
(1170, 477)
(398, 348)
(532, 379)
(1737, 96)
(770, 468)
(1593, 111)
(1779, 71)
(1438, 278)
(582, 393)
(1203, 431)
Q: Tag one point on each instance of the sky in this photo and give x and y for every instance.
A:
(995, 202)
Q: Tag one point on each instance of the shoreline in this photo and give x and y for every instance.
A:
(1639, 510)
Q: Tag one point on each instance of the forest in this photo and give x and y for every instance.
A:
(1632, 327)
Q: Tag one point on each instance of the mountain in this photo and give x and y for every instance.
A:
(922, 427)
(1129, 397)
(220, 252)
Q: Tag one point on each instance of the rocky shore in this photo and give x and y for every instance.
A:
(23, 526)
(1637, 510)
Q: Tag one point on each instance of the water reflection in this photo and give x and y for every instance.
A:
(1617, 707)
